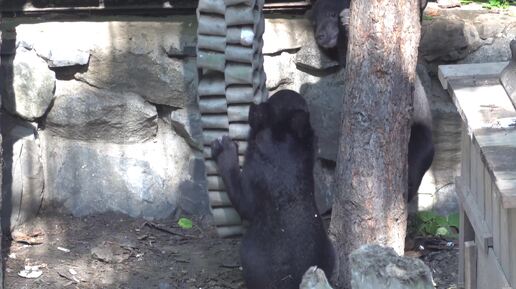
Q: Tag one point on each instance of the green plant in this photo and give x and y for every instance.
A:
(430, 223)
(185, 223)
(498, 3)
(491, 3)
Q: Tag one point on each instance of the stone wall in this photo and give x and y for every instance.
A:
(102, 115)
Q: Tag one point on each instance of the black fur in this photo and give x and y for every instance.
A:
(330, 32)
(420, 156)
(275, 192)
(331, 35)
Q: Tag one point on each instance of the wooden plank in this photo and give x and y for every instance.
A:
(466, 233)
(496, 223)
(488, 200)
(499, 152)
(477, 110)
(472, 212)
(462, 239)
(512, 241)
(490, 274)
(506, 184)
(479, 179)
(505, 248)
(466, 156)
(473, 156)
(491, 120)
(476, 70)
(470, 265)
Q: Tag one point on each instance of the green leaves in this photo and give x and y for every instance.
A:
(429, 223)
(489, 4)
(185, 223)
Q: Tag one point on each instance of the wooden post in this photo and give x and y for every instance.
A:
(470, 265)
(374, 266)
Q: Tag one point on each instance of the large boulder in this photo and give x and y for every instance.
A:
(23, 182)
(492, 25)
(161, 81)
(495, 49)
(58, 51)
(122, 56)
(448, 39)
(82, 112)
(27, 84)
(153, 180)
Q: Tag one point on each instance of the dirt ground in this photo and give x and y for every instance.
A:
(114, 251)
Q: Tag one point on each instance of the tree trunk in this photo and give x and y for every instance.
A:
(1, 176)
(372, 161)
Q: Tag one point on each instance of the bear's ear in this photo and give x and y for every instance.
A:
(299, 124)
(259, 115)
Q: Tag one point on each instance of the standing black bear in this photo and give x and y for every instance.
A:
(275, 193)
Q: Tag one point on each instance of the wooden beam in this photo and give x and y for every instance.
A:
(469, 71)
(470, 265)
(472, 211)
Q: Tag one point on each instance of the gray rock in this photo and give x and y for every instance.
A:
(314, 278)
(23, 181)
(494, 50)
(63, 57)
(117, 48)
(279, 71)
(161, 81)
(103, 254)
(28, 85)
(187, 123)
(508, 75)
(150, 180)
(286, 34)
(448, 39)
(448, 3)
(83, 112)
(375, 266)
(323, 95)
(58, 54)
(492, 25)
(194, 199)
(325, 99)
(311, 60)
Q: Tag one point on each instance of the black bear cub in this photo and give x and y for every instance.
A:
(275, 193)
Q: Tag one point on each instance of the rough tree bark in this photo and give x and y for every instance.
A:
(1, 176)
(372, 162)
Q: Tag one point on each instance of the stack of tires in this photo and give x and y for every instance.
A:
(231, 77)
